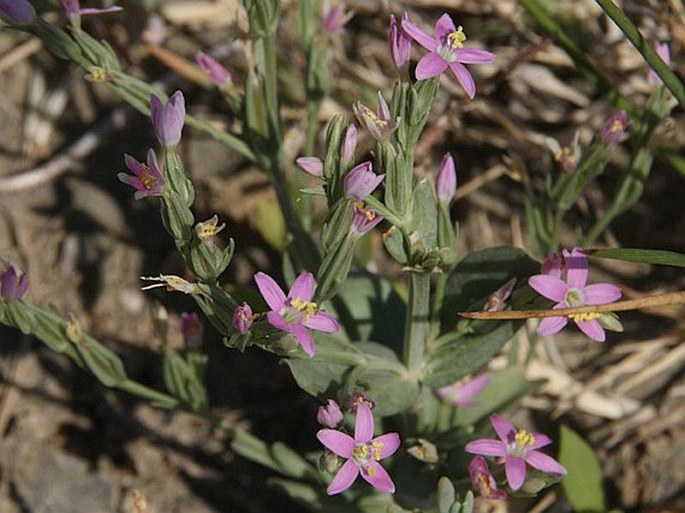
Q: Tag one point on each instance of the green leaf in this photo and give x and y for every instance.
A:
(103, 363)
(291, 462)
(481, 273)
(184, 378)
(425, 214)
(583, 484)
(368, 309)
(445, 494)
(465, 353)
(650, 256)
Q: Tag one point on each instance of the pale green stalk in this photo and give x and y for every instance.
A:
(417, 321)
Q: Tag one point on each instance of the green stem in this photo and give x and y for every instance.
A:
(160, 399)
(417, 322)
(438, 299)
(271, 84)
(645, 48)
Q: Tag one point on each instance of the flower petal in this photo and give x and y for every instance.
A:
(601, 293)
(541, 440)
(505, 430)
(429, 66)
(551, 325)
(391, 442)
(363, 426)
(486, 447)
(443, 27)
(515, 469)
(272, 293)
(421, 37)
(549, 286)
(303, 287)
(378, 477)
(339, 443)
(592, 329)
(277, 321)
(474, 56)
(464, 78)
(541, 461)
(322, 321)
(577, 266)
(305, 338)
(344, 478)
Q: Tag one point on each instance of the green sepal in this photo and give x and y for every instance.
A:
(208, 261)
(20, 315)
(308, 22)
(337, 224)
(395, 245)
(331, 166)
(445, 494)
(398, 179)
(98, 53)
(218, 306)
(334, 269)
(175, 177)
(58, 41)
(178, 221)
(263, 16)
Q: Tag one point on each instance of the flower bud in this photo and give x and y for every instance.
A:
(348, 146)
(167, 120)
(310, 165)
(361, 181)
(329, 415)
(17, 12)
(446, 181)
(614, 128)
(243, 318)
(400, 42)
(333, 19)
(664, 52)
(13, 283)
(192, 329)
(219, 75)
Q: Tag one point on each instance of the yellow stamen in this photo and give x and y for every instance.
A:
(456, 39)
(307, 307)
(524, 438)
(590, 316)
(147, 179)
(485, 483)
(377, 446)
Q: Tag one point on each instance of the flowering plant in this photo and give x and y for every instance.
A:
(414, 355)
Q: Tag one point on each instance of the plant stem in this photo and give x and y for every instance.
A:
(645, 48)
(417, 322)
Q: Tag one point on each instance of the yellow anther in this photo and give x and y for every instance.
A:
(97, 74)
(590, 316)
(456, 39)
(524, 438)
(485, 484)
(307, 307)
(377, 446)
(371, 471)
(147, 179)
(209, 228)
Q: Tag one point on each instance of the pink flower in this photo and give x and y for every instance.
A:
(495, 302)
(463, 393)
(364, 219)
(446, 181)
(310, 165)
(361, 181)
(295, 312)
(243, 318)
(147, 179)
(664, 52)
(614, 128)
(219, 75)
(362, 453)
(348, 146)
(17, 12)
(333, 19)
(192, 329)
(555, 264)
(447, 50)
(13, 283)
(517, 447)
(482, 479)
(329, 415)
(574, 293)
(400, 41)
(379, 124)
(167, 120)
(568, 157)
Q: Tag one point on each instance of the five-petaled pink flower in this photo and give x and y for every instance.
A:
(295, 312)
(447, 50)
(517, 447)
(482, 479)
(362, 453)
(147, 179)
(361, 181)
(574, 293)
